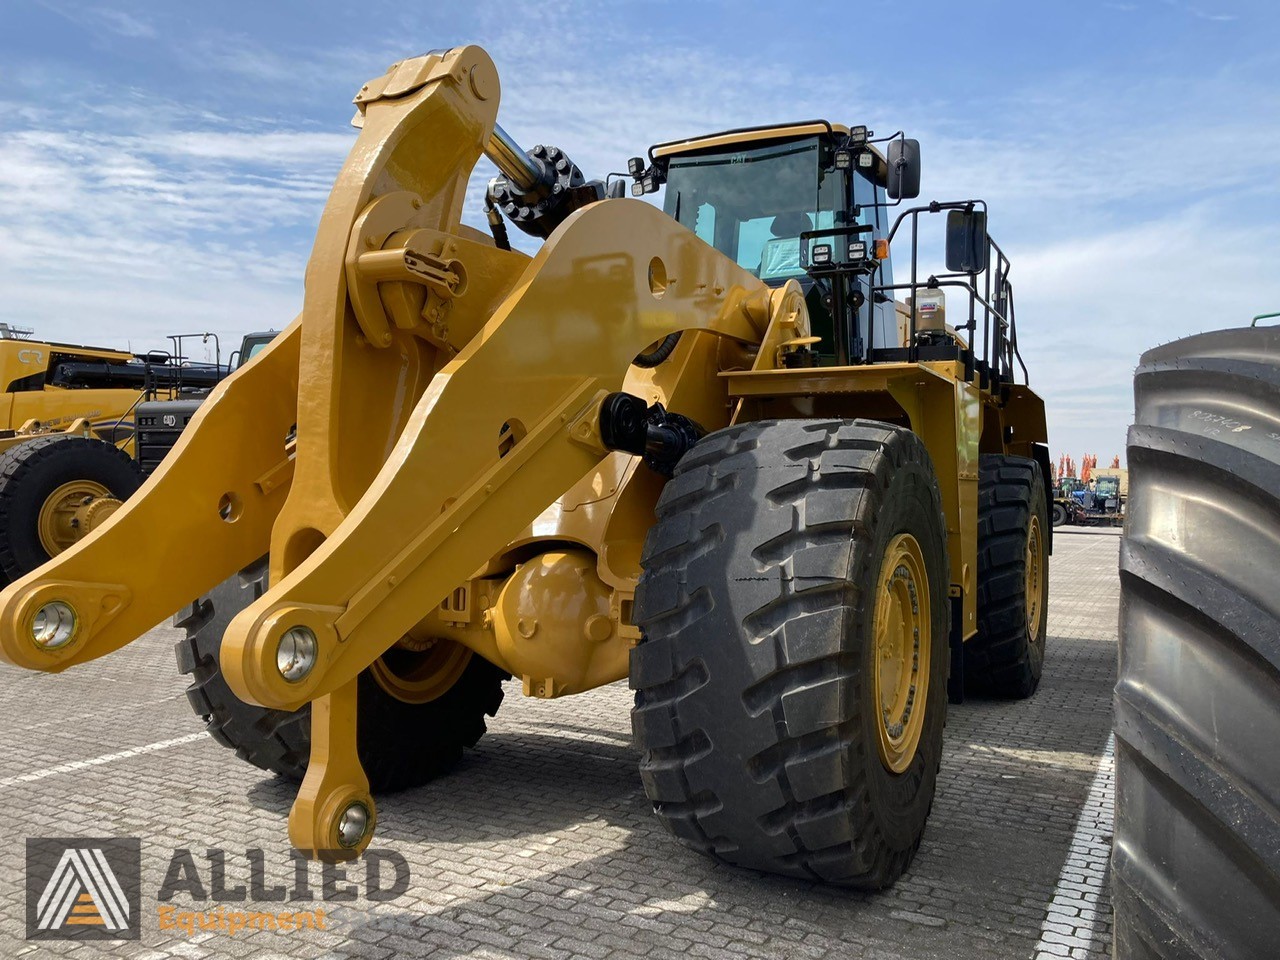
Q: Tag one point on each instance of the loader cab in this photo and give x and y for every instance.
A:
(757, 199)
(1107, 490)
(252, 345)
(820, 204)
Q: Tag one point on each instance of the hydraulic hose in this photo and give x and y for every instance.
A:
(658, 355)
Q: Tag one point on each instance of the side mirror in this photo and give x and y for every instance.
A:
(903, 180)
(966, 241)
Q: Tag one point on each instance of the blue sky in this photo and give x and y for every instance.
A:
(163, 164)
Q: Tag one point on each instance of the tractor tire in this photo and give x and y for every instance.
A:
(1196, 864)
(1059, 515)
(779, 548)
(36, 473)
(401, 744)
(1006, 656)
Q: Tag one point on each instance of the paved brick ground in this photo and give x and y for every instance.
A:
(541, 843)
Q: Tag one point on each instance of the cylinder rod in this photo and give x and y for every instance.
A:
(518, 167)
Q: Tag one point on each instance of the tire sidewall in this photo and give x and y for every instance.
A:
(911, 505)
(1039, 507)
(41, 471)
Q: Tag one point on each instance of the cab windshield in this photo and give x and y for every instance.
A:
(250, 347)
(753, 204)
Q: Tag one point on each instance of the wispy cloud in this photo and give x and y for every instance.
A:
(1200, 13)
(304, 72)
(99, 17)
(1090, 309)
(110, 235)
(124, 24)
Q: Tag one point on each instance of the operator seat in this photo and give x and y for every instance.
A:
(781, 256)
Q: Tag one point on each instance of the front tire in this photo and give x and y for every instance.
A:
(43, 482)
(797, 568)
(401, 744)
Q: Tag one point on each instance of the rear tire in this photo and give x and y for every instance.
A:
(31, 472)
(1059, 515)
(1006, 657)
(401, 744)
(756, 679)
(1196, 867)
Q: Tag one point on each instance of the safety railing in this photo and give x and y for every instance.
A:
(987, 290)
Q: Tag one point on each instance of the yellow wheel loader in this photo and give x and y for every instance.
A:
(67, 438)
(720, 450)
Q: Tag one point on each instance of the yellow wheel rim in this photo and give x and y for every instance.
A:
(903, 639)
(57, 524)
(419, 671)
(1035, 585)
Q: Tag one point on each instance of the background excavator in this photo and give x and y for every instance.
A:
(721, 449)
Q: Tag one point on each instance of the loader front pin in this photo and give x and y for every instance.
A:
(54, 625)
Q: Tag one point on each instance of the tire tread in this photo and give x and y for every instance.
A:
(1197, 705)
(772, 790)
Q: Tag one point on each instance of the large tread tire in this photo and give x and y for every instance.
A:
(754, 706)
(1006, 656)
(1196, 866)
(401, 745)
(31, 471)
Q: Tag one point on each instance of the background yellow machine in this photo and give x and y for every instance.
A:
(705, 448)
(67, 437)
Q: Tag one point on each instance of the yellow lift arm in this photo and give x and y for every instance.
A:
(362, 448)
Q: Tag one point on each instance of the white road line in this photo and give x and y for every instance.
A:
(75, 765)
(1073, 910)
